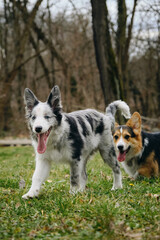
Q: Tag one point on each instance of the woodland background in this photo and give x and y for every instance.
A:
(96, 51)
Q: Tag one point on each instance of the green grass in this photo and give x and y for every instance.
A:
(98, 213)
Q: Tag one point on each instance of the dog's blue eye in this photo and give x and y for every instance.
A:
(46, 117)
(33, 118)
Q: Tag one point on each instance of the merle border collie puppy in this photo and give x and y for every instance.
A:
(70, 138)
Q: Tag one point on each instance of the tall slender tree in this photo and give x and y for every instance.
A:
(112, 63)
(7, 80)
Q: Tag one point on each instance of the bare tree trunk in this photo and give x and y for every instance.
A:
(7, 81)
(112, 67)
(99, 14)
(123, 39)
(109, 76)
(121, 34)
(34, 82)
(50, 39)
(7, 113)
(21, 73)
(158, 65)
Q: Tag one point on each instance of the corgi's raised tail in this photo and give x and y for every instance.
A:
(118, 105)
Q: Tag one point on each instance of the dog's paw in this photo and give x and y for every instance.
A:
(117, 187)
(75, 190)
(31, 194)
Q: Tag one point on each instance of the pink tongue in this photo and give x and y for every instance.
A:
(41, 143)
(121, 156)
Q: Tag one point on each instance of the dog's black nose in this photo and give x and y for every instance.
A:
(120, 147)
(38, 129)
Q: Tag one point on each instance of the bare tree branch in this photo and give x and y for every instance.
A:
(130, 27)
(30, 58)
(24, 39)
(45, 69)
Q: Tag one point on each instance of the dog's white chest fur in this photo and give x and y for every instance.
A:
(130, 167)
(55, 152)
(58, 157)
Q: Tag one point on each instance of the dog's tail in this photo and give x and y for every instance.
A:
(115, 106)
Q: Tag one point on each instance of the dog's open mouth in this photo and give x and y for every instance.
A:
(42, 141)
(122, 155)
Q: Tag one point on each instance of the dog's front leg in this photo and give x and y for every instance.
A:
(41, 173)
(117, 178)
(109, 157)
(78, 176)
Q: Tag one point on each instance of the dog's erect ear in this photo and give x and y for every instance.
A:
(54, 99)
(30, 99)
(135, 121)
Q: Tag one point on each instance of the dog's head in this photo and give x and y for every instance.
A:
(127, 138)
(43, 116)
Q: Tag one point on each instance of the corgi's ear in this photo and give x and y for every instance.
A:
(116, 125)
(135, 121)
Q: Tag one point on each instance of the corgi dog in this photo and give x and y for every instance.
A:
(138, 151)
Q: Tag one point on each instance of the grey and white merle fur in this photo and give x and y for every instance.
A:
(70, 138)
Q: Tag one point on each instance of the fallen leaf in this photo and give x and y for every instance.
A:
(91, 200)
(81, 200)
(18, 205)
(32, 233)
(137, 236)
(157, 196)
(148, 194)
(102, 174)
